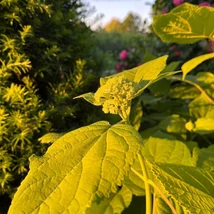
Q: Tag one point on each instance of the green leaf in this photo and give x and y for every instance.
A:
(150, 70)
(134, 182)
(171, 67)
(201, 125)
(162, 208)
(191, 187)
(163, 148)
(50, 137)
(184, 92)
(80, 167)
(173, 124)
(184, 24)
(90, 98)
(160, 88)
(158, 148)
(115, 204)
(191, 64)
(205, 158)
(136, 115)
(201, 107)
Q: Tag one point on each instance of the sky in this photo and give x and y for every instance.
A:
(118, 9)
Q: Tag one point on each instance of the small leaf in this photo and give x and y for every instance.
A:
(50, 137)
(80, 167)
(136, 115)
(173, 124)
(90, 98)
(115, 204)
(191, 64)
(186, 23)
(192, 187)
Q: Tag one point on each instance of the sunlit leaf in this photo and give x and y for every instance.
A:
(184, 24)
(80, 167)
(192, 187)
(115, 204)
(50, 137)
(191, 64)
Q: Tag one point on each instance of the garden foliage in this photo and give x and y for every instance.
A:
(40, 71)
(162, 148)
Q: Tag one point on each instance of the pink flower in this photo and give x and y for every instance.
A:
(205, 4)
(211, 43)
(209, 50)
(123, 54)
(164, 11)
(177, 53)
(178, 2)
(119, 67)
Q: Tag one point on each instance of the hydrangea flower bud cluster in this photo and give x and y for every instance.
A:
(116, 95)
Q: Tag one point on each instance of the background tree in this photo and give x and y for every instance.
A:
(45, 52)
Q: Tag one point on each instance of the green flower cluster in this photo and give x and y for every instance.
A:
(116, 95)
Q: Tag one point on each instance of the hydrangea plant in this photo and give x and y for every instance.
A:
(98, 168)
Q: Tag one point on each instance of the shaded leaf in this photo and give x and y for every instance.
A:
(205, 158)
(81, 166)
(201, 107)
(191, 187)
(173, 124)
(136, 115)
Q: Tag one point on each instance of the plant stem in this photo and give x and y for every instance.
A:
(147, 186)
(163, 196)
(150, 182)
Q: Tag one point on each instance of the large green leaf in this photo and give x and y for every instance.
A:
(81, 166)
(191, 64)
(163, 148)
(158, 148)
(192, 187)
(186, 23)
(115, 204)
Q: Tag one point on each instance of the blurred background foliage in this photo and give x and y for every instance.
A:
(48, 55)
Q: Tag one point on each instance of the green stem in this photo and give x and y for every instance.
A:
(163, 196)
(147, 186)
(197, 86)
(157, 189)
